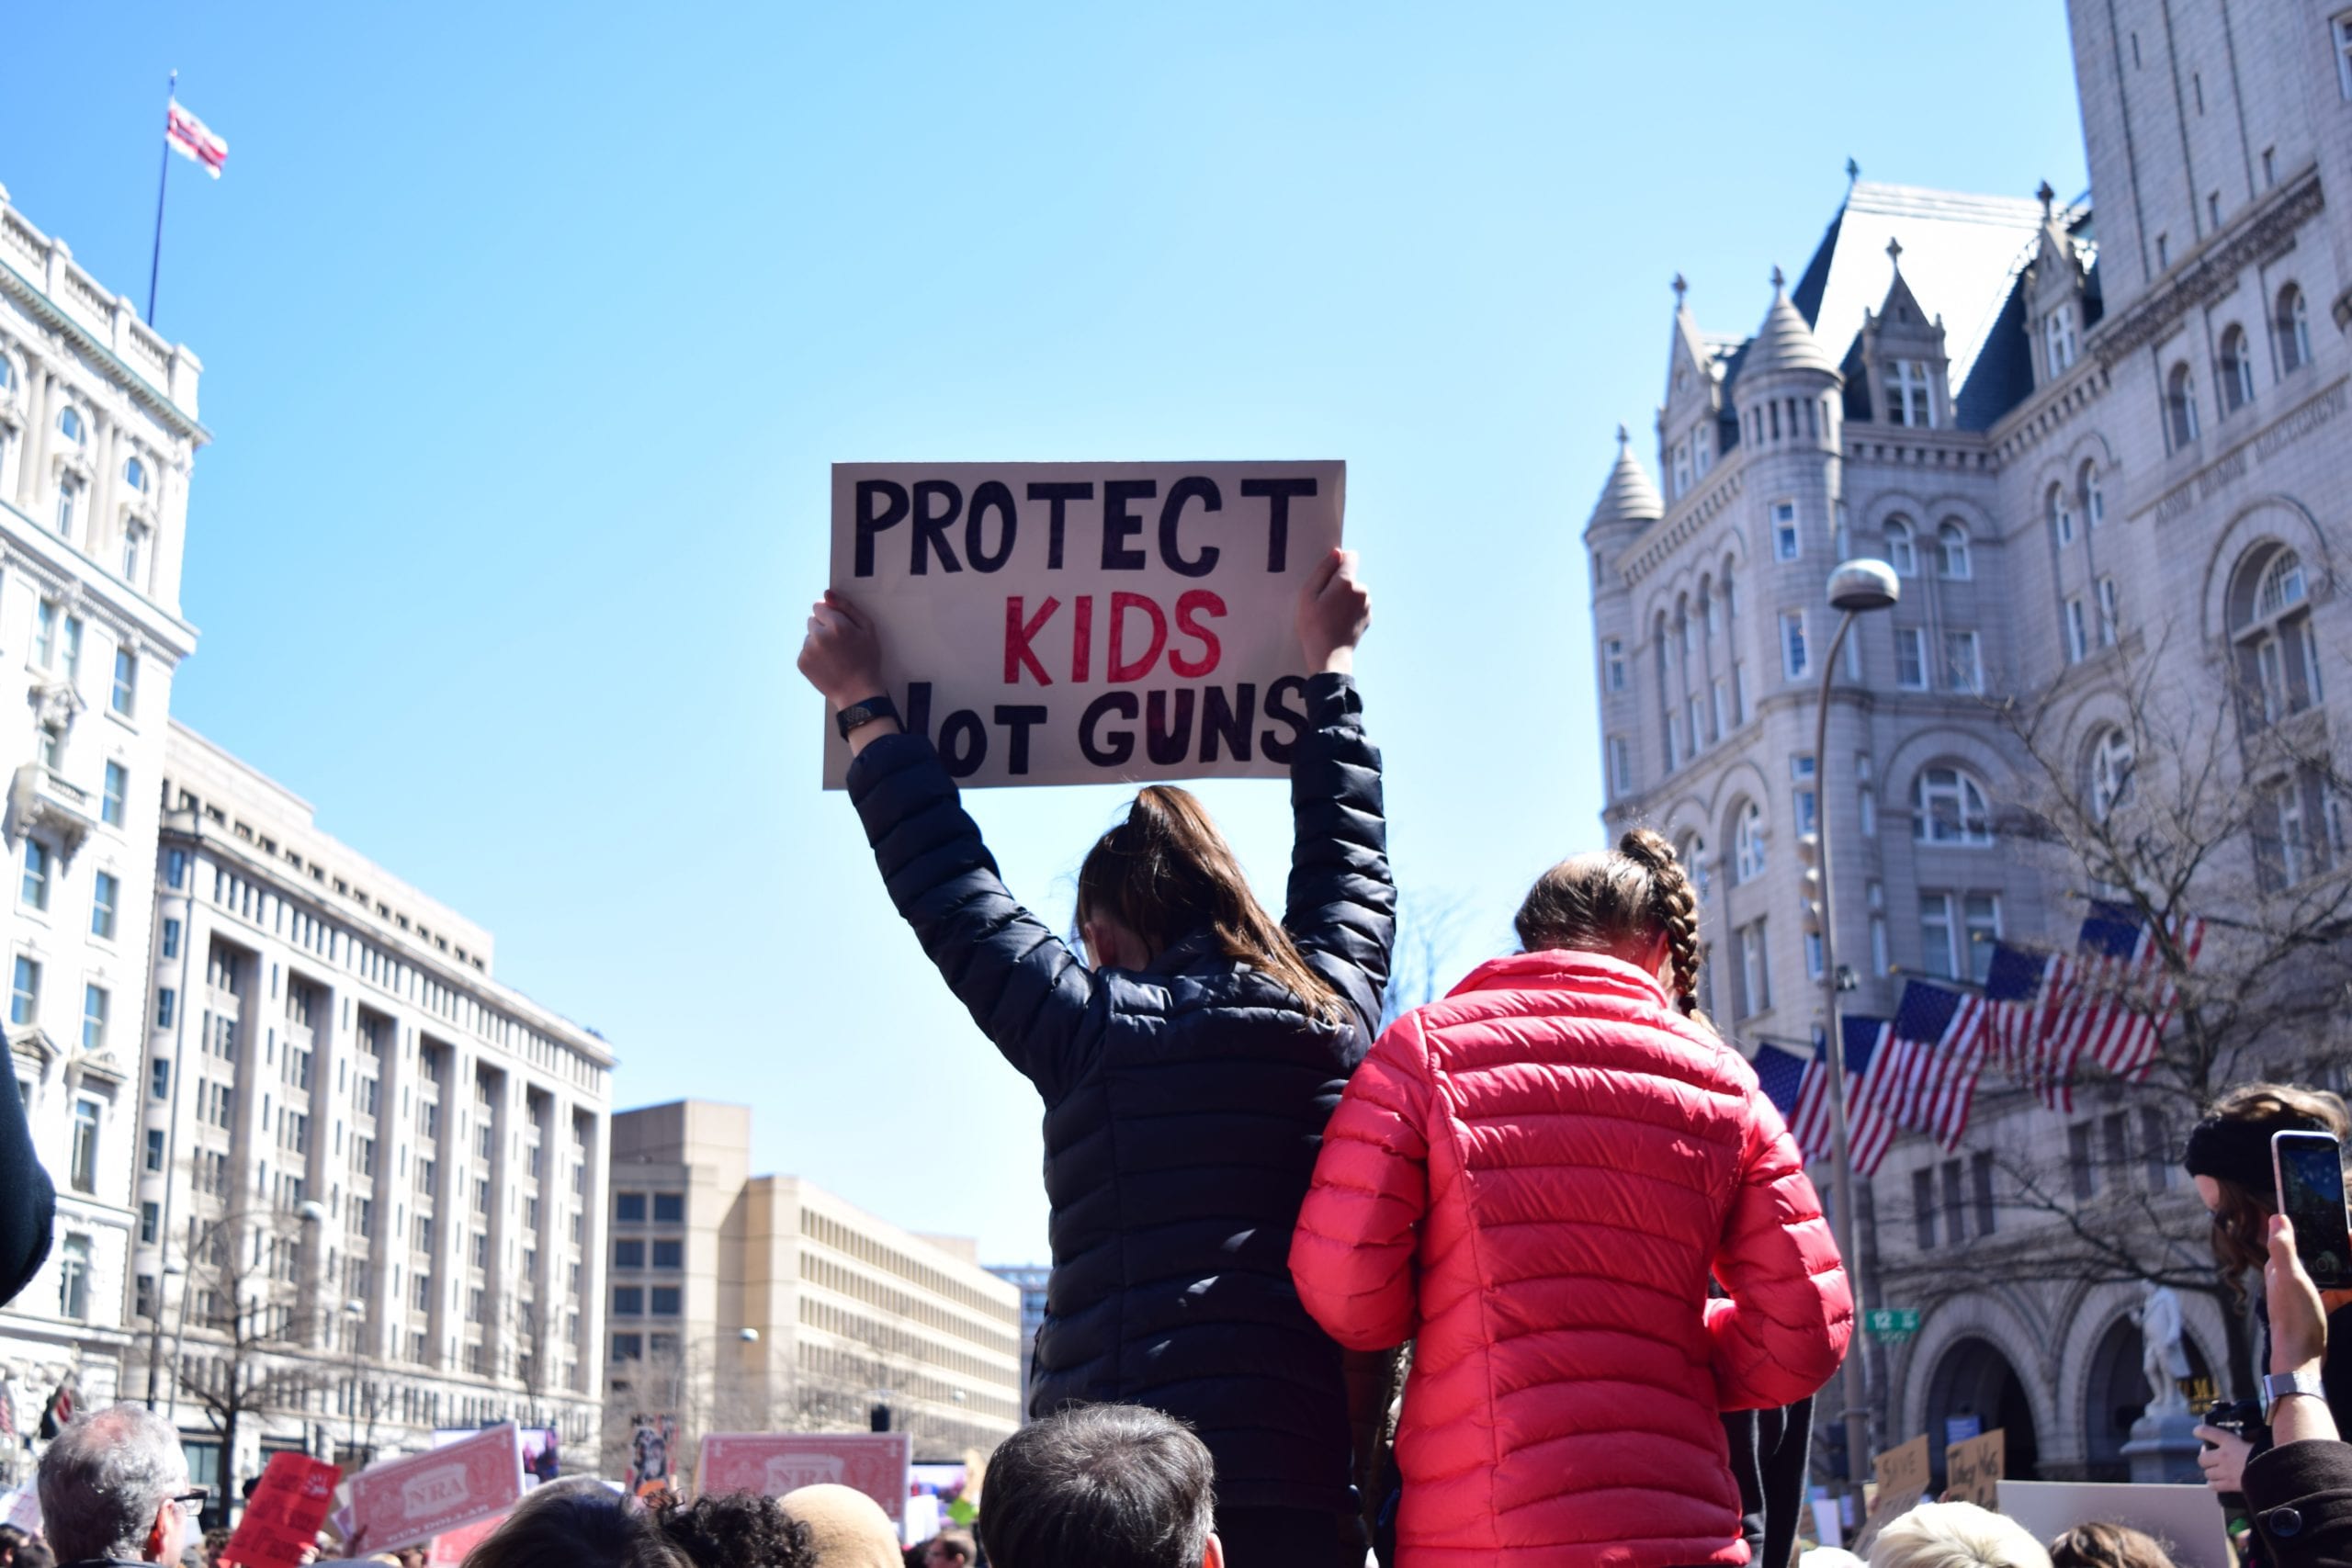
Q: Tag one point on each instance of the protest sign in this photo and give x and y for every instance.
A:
(283, 1516)
(1972, 1469)
(405, 1501)
(1903, 1479)
(773, 1463)
(449, 1548)
(1087, 623)
(2184, 1518)
(22, 1509)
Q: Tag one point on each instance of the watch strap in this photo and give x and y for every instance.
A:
(864, 712)
(2277, 1386)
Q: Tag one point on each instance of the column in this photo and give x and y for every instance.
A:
(34, 455)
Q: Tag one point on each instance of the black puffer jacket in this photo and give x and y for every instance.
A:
(1184, 1105)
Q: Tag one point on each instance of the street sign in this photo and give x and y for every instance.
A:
(1892, 1323)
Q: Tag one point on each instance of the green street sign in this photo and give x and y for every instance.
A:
(1892, 1323)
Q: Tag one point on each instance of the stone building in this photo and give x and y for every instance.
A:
(97, 434)
(2098, 440)
(370, 1180)
(744, 1302)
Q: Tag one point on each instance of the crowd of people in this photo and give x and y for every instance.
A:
(1533, 1276)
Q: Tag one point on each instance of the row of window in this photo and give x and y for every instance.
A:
(136, 477)
(24, 1003)
(667, 1252)
(668, 1208)
(2291, 332)
(632, 1301)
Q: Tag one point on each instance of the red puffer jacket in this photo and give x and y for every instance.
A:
(1534, 1178)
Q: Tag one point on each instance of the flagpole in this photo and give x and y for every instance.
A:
(163, 184)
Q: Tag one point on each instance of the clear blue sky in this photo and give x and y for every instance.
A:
(529, 336)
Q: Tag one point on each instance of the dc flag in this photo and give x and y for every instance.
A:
(192, 140)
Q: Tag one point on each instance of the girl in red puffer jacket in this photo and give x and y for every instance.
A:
(1534, 1179)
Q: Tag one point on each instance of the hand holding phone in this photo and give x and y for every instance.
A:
(2309, 1170)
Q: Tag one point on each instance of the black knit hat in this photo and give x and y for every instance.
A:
(2230, 1148)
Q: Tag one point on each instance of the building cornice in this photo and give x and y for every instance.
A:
(2207, 273)
(67, 571)
(142, 391)
(1681, 522)
(2053, 406)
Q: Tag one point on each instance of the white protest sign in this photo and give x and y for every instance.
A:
(1087, 622)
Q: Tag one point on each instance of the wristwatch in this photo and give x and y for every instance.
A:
(2277, 1386)
(860, 713)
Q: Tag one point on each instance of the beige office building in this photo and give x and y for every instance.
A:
(764, 1303)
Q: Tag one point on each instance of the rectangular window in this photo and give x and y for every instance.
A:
(1923, 1210)
(2343, 28)
(1907, 400)
(1620, 766)
(84, 1160)
(155, 1149)
(1866, 795)
(1882, 965)
(105, 893)
(2110, 617)
(1800, 772)
(93, 1019)
(1786, 543)
(1964, 670)
(628, 1346)
(1955, 1202)
(1613, 663)
(126, 681)
(1792, 651)
(665, 1301)
(1738, 692)
(74, 1279)
(2078, 640)
(171, 939)
(45, 634)
(167, 1002)
(629, 1255)
(669, 1254)
(1755, 971)
(1982, 914)
(670, 1208)
(2078, 1160)
(1813, 956)
(175, 868)
(35, 889)
(1938, 954)
(628, 1207)
(159, 1078)
(151, 1222)
(1911, 658)
(110, 805)
(628, 1301)
(23, 995)
(2155, 1148)
(1980, 1172)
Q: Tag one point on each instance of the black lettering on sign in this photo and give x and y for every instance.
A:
(1193, 486)
(919, 708)
(1057, 495)
(1168, 743)
(1120, 523)
(1018, 719)
(881, 505)
(991, 494)
(1279, 494)
(963, 743)
(1276, 749)
(1114, 751)
(1228, 720)
(930, 527)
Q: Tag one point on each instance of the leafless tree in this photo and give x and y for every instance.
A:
(248, 1327)
(1431, 924)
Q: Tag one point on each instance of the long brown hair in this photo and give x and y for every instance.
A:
(2243, 1215)
(1619, 898)
(1165, 872)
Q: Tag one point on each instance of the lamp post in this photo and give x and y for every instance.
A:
(1856, 588)
(357, 1313)
(155, 1331)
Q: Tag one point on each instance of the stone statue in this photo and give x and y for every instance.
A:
(2163, 1359)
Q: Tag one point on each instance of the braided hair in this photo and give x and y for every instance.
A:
(1617, 899)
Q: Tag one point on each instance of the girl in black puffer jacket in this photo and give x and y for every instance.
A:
(1187, 1075)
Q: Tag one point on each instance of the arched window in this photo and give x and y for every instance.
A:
(1692, 852)
(2237, 371)
(1731, 591)
(2294, 325)
(1900, 552)
(1686, 634)
(1708, 623)
(134, 553)
(1952, 550)
(2276, 649)
(69, 423)
(1948, 808)
(1748, 844)
(2094, 498)
(134, 474)
(2181, 405)
(2112, 758)
(7, 373)
(2062, 515)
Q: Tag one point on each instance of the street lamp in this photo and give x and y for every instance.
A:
(1856, 588)
(357, 1312)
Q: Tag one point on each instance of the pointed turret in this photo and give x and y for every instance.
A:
(1629, 496)
(1784, 342)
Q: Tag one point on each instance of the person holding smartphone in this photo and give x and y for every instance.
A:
(2230, 1160)
(2300, 1491)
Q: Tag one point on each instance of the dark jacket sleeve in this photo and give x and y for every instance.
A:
(2300, 1497)
(1024, 987)
(28, 1199)
(1342, 907)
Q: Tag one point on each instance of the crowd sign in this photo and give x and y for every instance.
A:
(1972, 1469)
(407, 1501)
(282, 1518)
(1903, 1479)
(880, 1464)
(1085, 623)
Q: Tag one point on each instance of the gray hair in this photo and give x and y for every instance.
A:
(1099, 1486)
(103, 1479)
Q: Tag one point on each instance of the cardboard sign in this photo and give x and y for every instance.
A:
(1903, 1477)
(405, 1501)
(1972, 1469)
(2184, 1517)
(773, 1463)
(1087, 623)
(283, 1516)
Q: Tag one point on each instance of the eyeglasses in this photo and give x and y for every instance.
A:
(192, 1502)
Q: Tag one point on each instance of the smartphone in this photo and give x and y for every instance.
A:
(2308, 1169)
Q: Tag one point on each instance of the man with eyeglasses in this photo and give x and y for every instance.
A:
(114, 1490)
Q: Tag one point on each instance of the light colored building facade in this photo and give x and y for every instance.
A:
(1031, 1280)
(97, 434)
(370, 1178)
(2105, 445)
(764, 1303)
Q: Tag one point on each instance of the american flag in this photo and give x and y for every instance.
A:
(1939, 1036)
(1800, 1093)
(190, 138)
(1873, 1090)
(2111, 1001)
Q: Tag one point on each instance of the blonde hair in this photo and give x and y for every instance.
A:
(1956, 1535)
(1634, 894)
